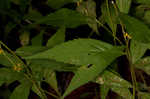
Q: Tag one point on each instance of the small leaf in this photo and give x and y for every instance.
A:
(64, 17)
(22, 91)
(24, 38)
(57, 38)
(123, 5)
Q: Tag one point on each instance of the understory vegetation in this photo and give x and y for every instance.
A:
(74, 49)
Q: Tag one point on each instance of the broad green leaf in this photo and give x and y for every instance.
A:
(144, 64)
(22, 91)
(59, 3)
(38, 64)
(89, 51)
(29, 50)
(64, 17)
(138, 49)
(8, 76)
(136, 28)
(124, 5)
(57, 38)
(37, 40)
(78, 52)
(115, 83)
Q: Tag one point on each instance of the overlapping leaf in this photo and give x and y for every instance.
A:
(64, 17)
(116, 84)
(140, 34)
(22, 91)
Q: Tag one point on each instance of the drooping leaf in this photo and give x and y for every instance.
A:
(143, 64)
(115, 83)
(22, 91)
(124, 5)
(63, 17)
(59, 3)
(57, 38)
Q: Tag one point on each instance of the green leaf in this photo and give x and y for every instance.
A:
(59, 3)
(143, 1)
(29, 50)
(124, 5)
(143, 64)
(87, 49)
(39, 64)
(136, 28)
(138, 49)
(50, 78)
(22, 91)
(64, 17)
(115, 83)
(24, 38)
(33, 15)
(144, 95)
(8, 76)
(104, 91)
(37, 40)
(90, 11)
(109, 16)
(57, 38)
